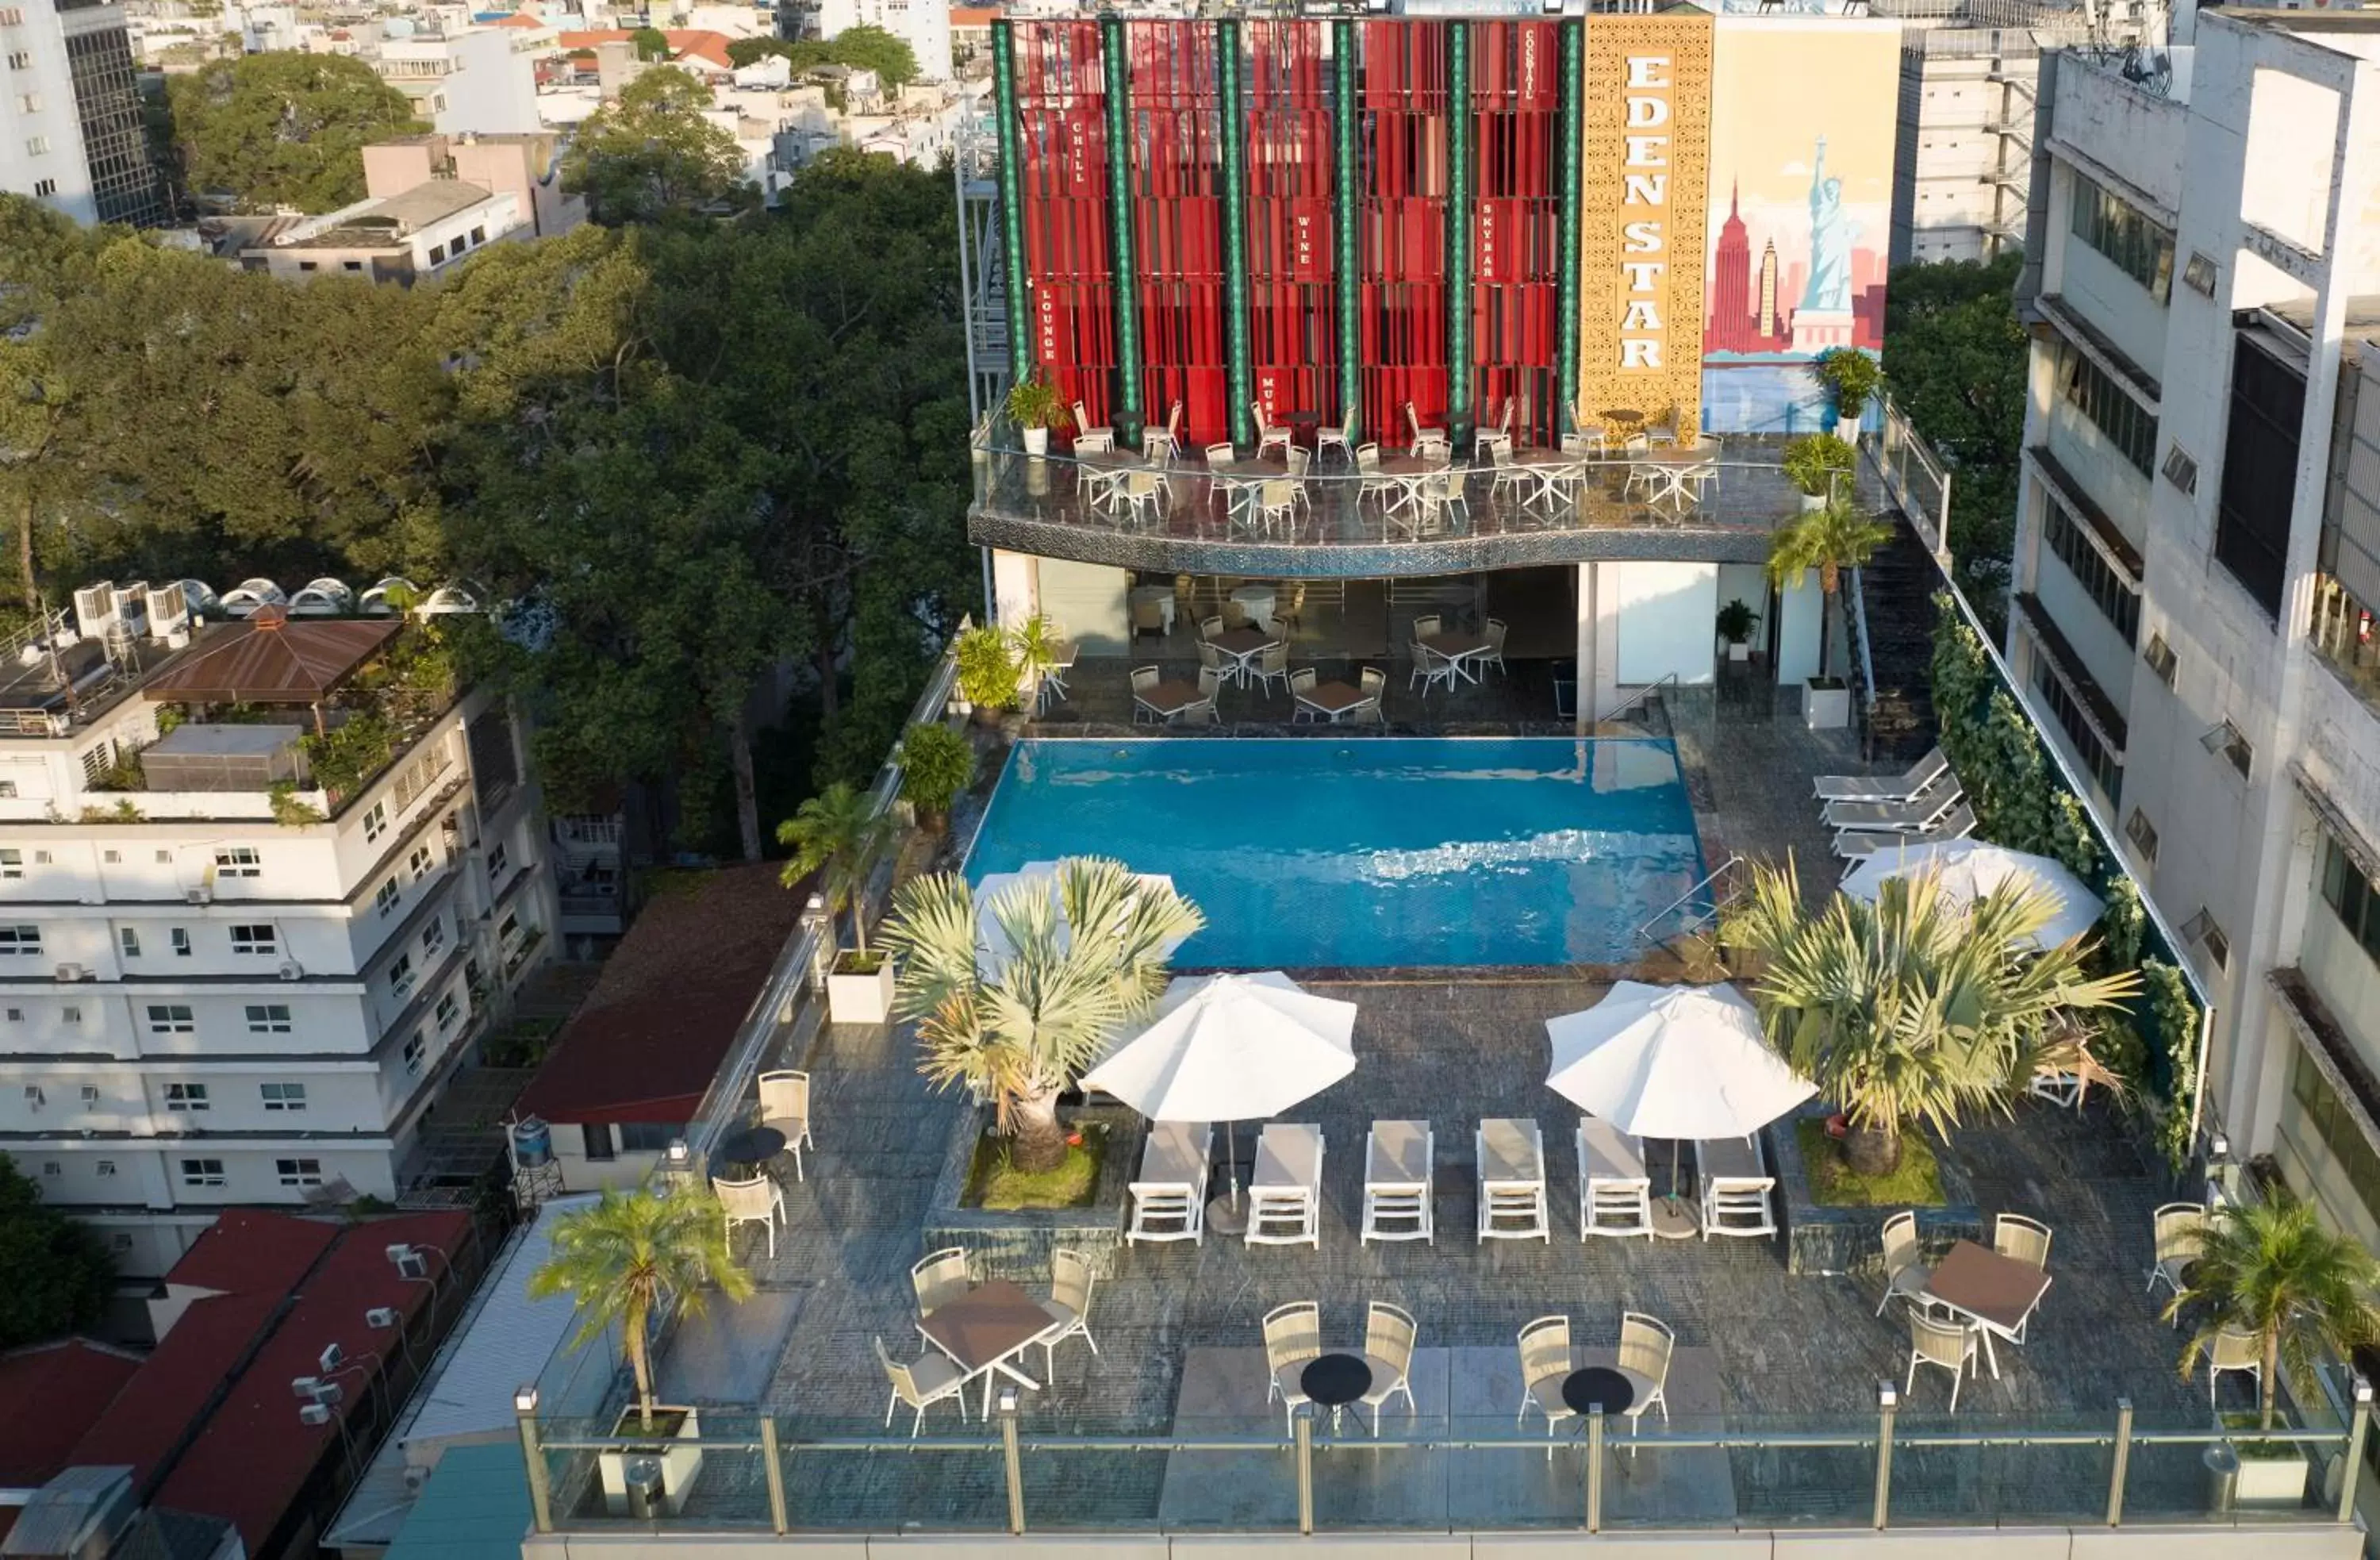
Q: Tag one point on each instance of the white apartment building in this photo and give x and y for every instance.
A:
(71, 129)
(400, 237)
(222, 982)
(2198, 551)
(479, 79)
(924, 25)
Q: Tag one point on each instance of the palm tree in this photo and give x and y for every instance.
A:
(626, 1256)
(1915, 1008)
(1830, 540)
(2271, 1269)
(1085, 960)
(838, 835)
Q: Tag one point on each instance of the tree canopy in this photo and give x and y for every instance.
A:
(651, 43)
(283, 128)
(59, 1275)
(652, 155)
(864, 47)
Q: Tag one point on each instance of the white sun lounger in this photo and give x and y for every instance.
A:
(1914, 817)
(1397, 1162)
(1511, 1155)
(1856, 845)
(1285, 1193)
(1919, 778)
(1615, 1195)
(1169, 1200)
(1736, 1188)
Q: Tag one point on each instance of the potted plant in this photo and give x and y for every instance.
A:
(988, 678)
(1021, 1033)
(2271, 1271)
(1735, 625)
(937, 763)
(1913, 1009)
(839, 836)
(1851, 378)
(1830, 540)
(1034, 406)
(1035, 644)
(1813, 463)
(623, 1260)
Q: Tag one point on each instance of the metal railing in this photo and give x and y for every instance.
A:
(1667, 679)
(1917, 482)
(1718, 903)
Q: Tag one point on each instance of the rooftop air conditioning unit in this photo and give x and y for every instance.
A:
(410, 1263)
(333, 1355)
(414, 1478)
(169, 611)
(303, 1386)
(73, 972)
(313, 1413)
(201, 894)
(291, 969)
(380, 1317)
(95, 614)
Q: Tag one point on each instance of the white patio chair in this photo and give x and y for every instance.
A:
(1397, 1200)
(1201, 709)
(2026, 1241)
(1647, 1346)
(1856, 845)
(1424, 439)
(1947, 1344)
(2235, 1348)
(1082, 417)
(1095, 441)
(1277, 500)
(1269, 435)
(1496, 435)
(921, 1384)
(1431, 669)
(1427, 625)
(1162, 445)
(1143, 679)
(1144, 494)
(1220, 455)
(1495, 632)
(1341, 438)
(1736, 1188)
(939, 1277)
(1545, 1365)
(1915, 817)
(756, 1201)
(1905, 1270)
(2181, 1236)
(1511, 1159)
(1210, 626)
(1149, 616)
(1068, 1307)
(1169, 1198)
(1373, 681)
(1300, 683)
(1285, 1190)
(1389, 1335)
(1615, 1194)
(1915, 781)
(1293, 1335)
(785, 1105)
(1271, 664)
(1371, 482)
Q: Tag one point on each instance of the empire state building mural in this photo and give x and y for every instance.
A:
(1801, 180)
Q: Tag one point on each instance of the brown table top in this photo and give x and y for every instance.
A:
(991, 1322)
(1244, 641)
(1411, 466)
(1456, 643)
(1169, 695)
(1334, 696)
(1984, 1284)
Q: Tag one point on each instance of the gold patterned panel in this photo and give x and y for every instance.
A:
(1630, 321)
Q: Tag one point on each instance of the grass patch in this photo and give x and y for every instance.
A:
(2252, 1423)
(995, 1184)
(1917, 1182)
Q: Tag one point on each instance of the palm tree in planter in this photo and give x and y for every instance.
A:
(624, 1260)
(840, 835)
(1085, 961)
(1829, 540)
(2272, 1271)
(1915, 1009)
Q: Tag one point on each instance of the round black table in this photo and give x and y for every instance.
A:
(1598, 1386)
(752, 1147)
(1334, 1381)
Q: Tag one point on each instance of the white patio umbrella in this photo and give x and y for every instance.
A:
(1229, 1048)
(1673, 1062)
(1971, 869)
(992, 949)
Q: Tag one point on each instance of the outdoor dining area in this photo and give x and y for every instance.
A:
(1237, 651)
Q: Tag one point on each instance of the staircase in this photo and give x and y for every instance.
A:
(1899, 585)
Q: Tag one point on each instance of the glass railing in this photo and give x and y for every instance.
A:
(1260, 1473)
(1712, 484)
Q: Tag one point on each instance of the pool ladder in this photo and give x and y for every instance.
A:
(1719, 902)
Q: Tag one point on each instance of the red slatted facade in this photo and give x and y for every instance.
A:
(1403, 145)
(1516, 194)
(1292, 333)
(1177, 188)
(1060, 105)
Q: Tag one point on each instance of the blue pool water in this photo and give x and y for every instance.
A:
(1368, 853)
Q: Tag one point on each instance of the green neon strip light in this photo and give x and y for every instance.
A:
(1120, 236)
(1569, 152)
(1458, 232)
(1012, 201)
(1345, 195)
(1240, 375)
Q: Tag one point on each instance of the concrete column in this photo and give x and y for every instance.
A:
(1585, 647)
(1015, 587)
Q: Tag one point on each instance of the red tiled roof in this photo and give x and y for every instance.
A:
(169, 1394)
(974, 16)
(519, 18)
(645, 1044)
(275, 659)
(700, 43)
(588, 39)
(72, 1382)
(253, 1250)
(256, 1454)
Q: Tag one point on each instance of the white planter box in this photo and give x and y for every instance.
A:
(1036, 440)
(1825, 709)
(1813, 501)
(860, 999)
(2271, 1481)
(681, 1454)
(1739, 651)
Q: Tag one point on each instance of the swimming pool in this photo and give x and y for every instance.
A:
(1369, 853)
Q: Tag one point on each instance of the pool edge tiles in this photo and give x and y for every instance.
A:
(1378, 853)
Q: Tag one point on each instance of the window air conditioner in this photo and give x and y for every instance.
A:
(201, 894)
(292, 970)
(73, 972)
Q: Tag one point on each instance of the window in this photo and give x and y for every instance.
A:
(238, 861)
(2218, 945)
(24, 941)
(446, 1011)
(128, 939)
(165, 858)
(44, 187)
(2225, 738)
(2142, 249)
(12, 863)
(351, 265)
(283, 1096)
(106, 1168)
(2199, 275)
(2335, 1126)
(598, 1139)
(37, 145)
(375, 821)
(20, 59)
(419, 862)
(203, 1172)
(180, 938)
(16, 1014)
(497, 862)
(170, 1018)
(2127, 423)
(70, 1015)
(2108, 591)
(305, 265)
(90, 1094)
(2141, 833)
(478, 236)
(12, 15)
(2259, 465)
(257, 939)
(186, 1097)
(415, 1048)
(28, 103)
(271, 1017)
(112, 858)
(385, 900)
(437, 254)
(2105, 767)
(52, 1167)
(2351, 896)
(298, 1172)
(646, 1137)
(35, 1098)
(400, 977)
(2160, 657)
(2180, 469)
(433, 937)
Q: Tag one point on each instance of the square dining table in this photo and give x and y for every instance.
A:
(1997, 1293)
(985, 1329)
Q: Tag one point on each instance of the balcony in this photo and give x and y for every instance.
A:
(1715, 502)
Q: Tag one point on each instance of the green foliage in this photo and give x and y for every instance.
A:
(988, 678)
(1035, 403)
(628, 1256)
(348, 754)
(1956, 352)
(1915, 1182)
(2071, 840)
(125, 810)
(285, 129)
(2125, 923)
(652, 155)
(840, 835)
(289, 810)
(59, 1274)
(1829, 540)
(2177, 1019)
(1851, 378)
(2272, 1271)
(1813, 462)
(864, 47)
(170, 718)
(651, 44)
(996, 1184)
(937, 763)
(1735, 622)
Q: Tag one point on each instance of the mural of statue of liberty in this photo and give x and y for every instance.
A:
(1829, 289)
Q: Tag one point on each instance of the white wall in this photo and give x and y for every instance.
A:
(1797, 646)
(1665, 615)
(1088, 602)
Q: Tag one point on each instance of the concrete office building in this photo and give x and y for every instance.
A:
(72, 134)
